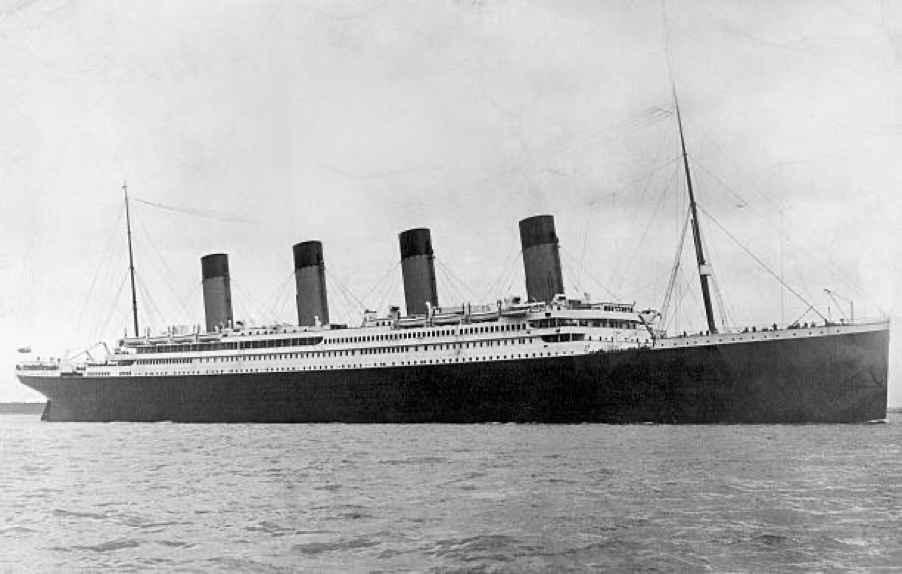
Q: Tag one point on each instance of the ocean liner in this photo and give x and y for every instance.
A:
(546, 358)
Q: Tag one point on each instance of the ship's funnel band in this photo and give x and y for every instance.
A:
(214, 265)
(310, 280)
(537, 230)
(415, 242)
(418, 270)
(541, 258)
(217, 291)
(308, 254)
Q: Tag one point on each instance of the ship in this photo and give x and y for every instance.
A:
(548, 358)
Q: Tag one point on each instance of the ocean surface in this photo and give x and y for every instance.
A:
(129, 497)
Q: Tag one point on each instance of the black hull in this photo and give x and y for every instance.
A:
(831, 379)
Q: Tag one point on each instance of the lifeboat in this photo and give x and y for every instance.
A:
(446, 318)
(412, 321)
(484, 316)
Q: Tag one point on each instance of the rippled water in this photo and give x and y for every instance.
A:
(270, 498)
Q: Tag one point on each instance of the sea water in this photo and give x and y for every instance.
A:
(478, 498)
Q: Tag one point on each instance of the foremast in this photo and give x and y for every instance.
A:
(704, 268)
(131, 260)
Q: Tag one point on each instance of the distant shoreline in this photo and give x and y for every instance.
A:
(21, 408)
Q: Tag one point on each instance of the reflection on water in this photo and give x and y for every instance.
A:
(269, 498)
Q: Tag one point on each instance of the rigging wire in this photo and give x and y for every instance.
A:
(837, 273)
(151, 306)
(725, 318)
(271, 311)
(759, 261)
(510, 284)
(684, 290)
(712, 257)
(802, 316)
(651, 220)
(350, 301)
(646, 185)
(343, 306)
(279, 298)
(571, 259)
(167, 271)
(97, 273)
(206, 213)
(113, 308)
(647, 118)
(252, 308)
(449, 288)
(593, 203)
(567, 277)
(494, 288)
(656, 282)
(347, 290)
(194, 294)
(645, 180)
(677, 261)
(456, 280)
(663, 145)
(379, 283)
(505, 281)
(390, 290)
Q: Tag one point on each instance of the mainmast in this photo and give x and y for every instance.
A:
(704, 269)
(131, 260)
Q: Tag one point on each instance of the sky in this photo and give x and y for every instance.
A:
(245, 127)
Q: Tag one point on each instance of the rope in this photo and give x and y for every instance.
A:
(759, 261)
(112, 309)
(106, 254)
(390, 288)
(645, 232)
(167, 271)
(255, 306)
(220, 216)
(494, 288)
(671, 284)
(649, 117)
(381, 280)
(349, 299)
(456, 280)
(150, 304)
(592, 277)
(279, 298)
(814, 255)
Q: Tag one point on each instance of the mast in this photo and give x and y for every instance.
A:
(131, 260)
(704, 269)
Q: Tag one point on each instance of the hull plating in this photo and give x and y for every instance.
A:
(839, 378)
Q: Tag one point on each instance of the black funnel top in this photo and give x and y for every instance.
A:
(537, 230)
(308, 254)
(415, 242)
(214, 265)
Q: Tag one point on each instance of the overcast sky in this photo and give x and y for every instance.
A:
(249, 126)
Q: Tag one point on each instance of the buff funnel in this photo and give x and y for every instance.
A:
(418, 270)
(310, 279)
(217, 291)
(541, 258)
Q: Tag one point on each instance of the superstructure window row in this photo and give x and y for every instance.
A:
(306, 341)
(400, 336)
(230, 345)
(559, 322)
(351, 352)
